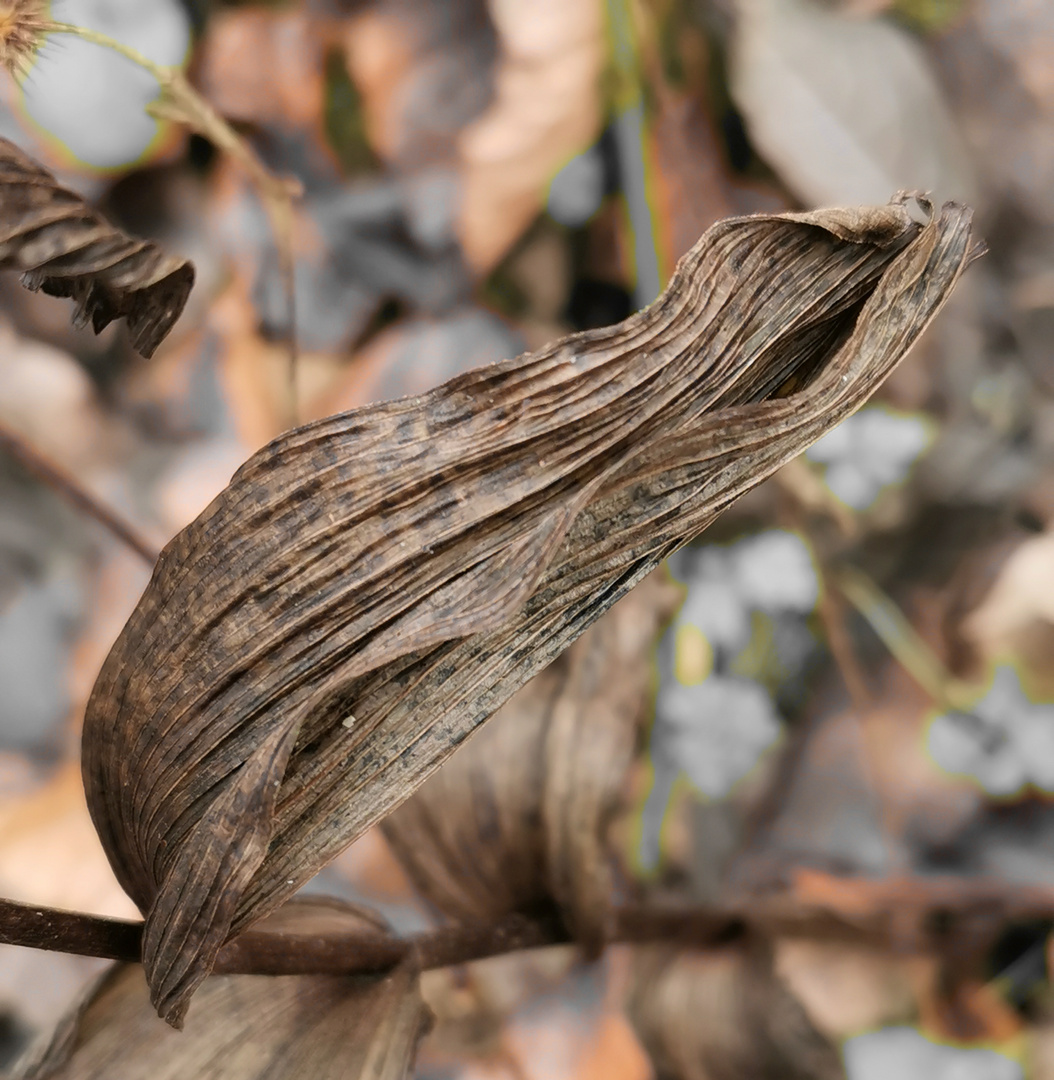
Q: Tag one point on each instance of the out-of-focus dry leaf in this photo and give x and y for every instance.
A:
(246, 1026)
(546, 109)
(519, 814)
(49, 853)
(725, 1015)
(691, 183)
(423, 71)
(370, 588)
(846, 989)
(253, 372)
(693, 191)
(865, 793)
(476, 1006)
(1023, 31)
(996, 63)
(614, 1053)
(261, 66)
(417, 354)
(66, 248)
(1017, 614)
(49, 399)
(843, 109)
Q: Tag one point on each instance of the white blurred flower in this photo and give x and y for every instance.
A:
(1006, 744)
(905, 1054)
(774, 571)
(1034, 737)
(716, 731)
(959, 746)
(90, 98)
(868, 451)
(715, 607)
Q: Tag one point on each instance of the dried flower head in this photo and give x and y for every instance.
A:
(23, 24)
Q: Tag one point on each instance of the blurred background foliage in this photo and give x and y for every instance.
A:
(859, 684)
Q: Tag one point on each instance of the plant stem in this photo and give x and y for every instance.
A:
(180, 102)
(52, 476)
(903, 641)
(866, 911)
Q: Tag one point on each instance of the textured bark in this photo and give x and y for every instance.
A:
(370, 588)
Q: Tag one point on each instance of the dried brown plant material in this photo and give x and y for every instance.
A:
(843, 108)
(547, 107)
(725, 1015)
(243, 1027)
(64, 247)
(370, 588)
(518, 815)
(262, 66)
(23, 24)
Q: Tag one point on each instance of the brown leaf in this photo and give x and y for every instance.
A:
(518, 815)
(546, 108)
(65, 247)
(1016, 616)
(725, 1015)
(371, 587)
(424, 72)
(843, 108)
(262, 66)
(246, 1026)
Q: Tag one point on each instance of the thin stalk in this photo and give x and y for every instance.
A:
(821, 907)
(180, 102)
(48, 473)
(903, 640)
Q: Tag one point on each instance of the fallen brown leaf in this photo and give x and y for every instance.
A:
(424, 72)
(518, 816)
(246, 1026)
(842, 108)
(49, 853)
(546, 108)
(725, 1015)
(1016, 616)
(372, 587)
(262, 66)
(846, 988)
(65, 247)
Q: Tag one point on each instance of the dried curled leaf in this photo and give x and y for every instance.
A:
(65, 247)
(518, 815)
(370, 588)
(243, 1027)
(725, 1015)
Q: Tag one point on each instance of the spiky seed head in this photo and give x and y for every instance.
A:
(23, 24)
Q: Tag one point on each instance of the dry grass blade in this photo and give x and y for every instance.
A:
(725, 1015)
(244, 1027)
(65, 247)
(370, 588)
(518, 815)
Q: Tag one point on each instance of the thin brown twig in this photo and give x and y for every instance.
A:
(820, 907)
(59, 480)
